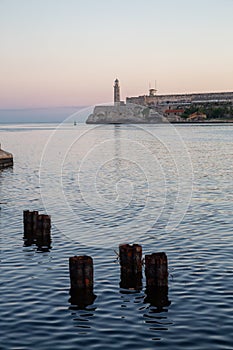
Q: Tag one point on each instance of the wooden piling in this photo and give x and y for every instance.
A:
(81, 281)
(81, 272)
(43, 225)
(156, 270)
(42, 233)
(131, 266)
(28, 220)
(34, 221)
(37, 229)
(28, 232)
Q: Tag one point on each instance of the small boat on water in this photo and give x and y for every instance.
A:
(6, 159)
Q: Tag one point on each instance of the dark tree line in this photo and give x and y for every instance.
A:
(212, 111)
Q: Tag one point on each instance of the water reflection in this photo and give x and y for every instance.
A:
(82, 318)
(81, 298)
(42, 242)
(8, 169)
(158, 298)
(151, 308)
(82, 308)
(156, 323)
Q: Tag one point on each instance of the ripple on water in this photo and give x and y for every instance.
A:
(36, 312)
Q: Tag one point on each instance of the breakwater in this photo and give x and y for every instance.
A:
(6, 159)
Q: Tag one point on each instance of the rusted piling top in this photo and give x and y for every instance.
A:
(6, 158)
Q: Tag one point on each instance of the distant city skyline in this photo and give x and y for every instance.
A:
(68, 53)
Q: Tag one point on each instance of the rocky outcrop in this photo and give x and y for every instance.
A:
(124, 114)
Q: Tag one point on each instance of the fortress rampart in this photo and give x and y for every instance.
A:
(180, 99)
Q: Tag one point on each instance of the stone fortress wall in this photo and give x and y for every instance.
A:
(185, 99)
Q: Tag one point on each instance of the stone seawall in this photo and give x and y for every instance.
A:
(6, 159)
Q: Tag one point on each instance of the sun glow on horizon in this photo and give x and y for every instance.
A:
(54, 54)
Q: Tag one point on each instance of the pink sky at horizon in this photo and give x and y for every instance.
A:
(68, 53)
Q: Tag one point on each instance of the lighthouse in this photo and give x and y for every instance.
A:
(116, 92)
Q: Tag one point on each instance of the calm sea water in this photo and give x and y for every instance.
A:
(167, 188)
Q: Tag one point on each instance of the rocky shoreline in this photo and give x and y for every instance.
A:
(124, 114)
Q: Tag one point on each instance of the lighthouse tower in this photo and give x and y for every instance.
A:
(116, 92)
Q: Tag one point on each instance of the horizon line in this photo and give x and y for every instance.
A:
(89, 105)
(39, 108)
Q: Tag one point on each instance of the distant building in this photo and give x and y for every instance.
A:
(173, 115)
(197, 116)
(152, 92)
(172, 100)
(170, 111)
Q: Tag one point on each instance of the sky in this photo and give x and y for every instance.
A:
(69, 52)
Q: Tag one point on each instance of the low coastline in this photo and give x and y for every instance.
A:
(136, 114)
(206, 121)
